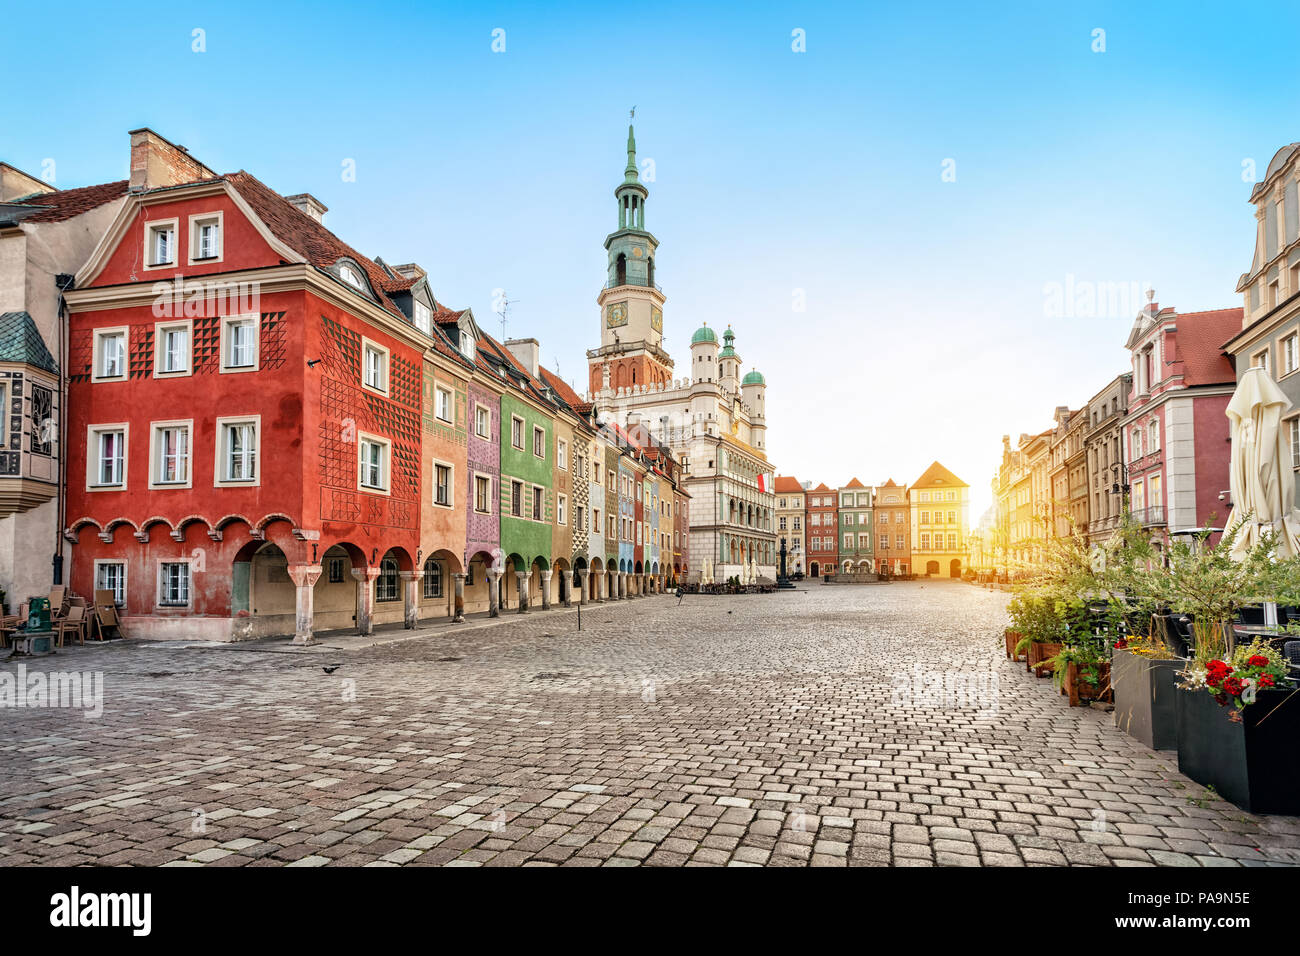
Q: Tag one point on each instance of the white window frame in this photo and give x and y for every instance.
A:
(92, 454)
(539, 446)
(487, 498)
(536, 504)
(423, 317)
(523, 439)
(439, 393)
(561, 454)
(385, 463)
(451, 484)
(561, 507)
(112, 562)
(516, 483)
(1260, 359)
(97, 354)
(189, 583)
(196, 222)
(220, 472)
(224, 344)
(1293, 433)
(160, 330)
(1290, 353)
(367, 346)
(487, 412)
(155, 454)
(152, 228)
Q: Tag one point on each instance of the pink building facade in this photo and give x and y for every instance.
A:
(1176, 442)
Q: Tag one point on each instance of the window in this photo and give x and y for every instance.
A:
(884, 542)
(595, 472)
(611, 530)
(432, 579)
(517, 432)
(537, 504)
(1154, 430)
(482, 422)
(373, 456)
(562, 454)
(482, 494)
(205, 237)
(466, 344)
(1289, 354)
(1293, 430)
(386, 587)
(111, 576)
(517, 498)
(1260, 360)
(442, 479)
(106, 467)
(781, 523)
(174, 584)
(925, 541)
(442, 404)
(239, 343)
(952, 517)
(110, 354)
(160, 244)
(171, 348)
(925, 496)
(864, 542)
(237, 450)
(539, 441)
(560, 502)
(423, 318)
(848, 542)
(334, 570)
(374, 367)
(579, 517)
(925, 517)
(351, 277)
(952, 542)
(898, 539)
(170, 454)
(595, 520)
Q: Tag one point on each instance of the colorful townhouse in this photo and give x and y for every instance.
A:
(1176, 430)
(823, 531)
(245, 414)
(857, 549)
(790, 518)
(940, 520)
(893, 528)
(484, 559)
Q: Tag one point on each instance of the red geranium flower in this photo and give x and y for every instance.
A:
(1258, 661)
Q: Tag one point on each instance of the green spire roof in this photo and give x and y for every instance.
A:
(754, 378)
(629, 174)
(704, 334)
(728, 340)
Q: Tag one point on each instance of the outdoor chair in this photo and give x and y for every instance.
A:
(1291, 651)
(74, 622)
(1252, 615)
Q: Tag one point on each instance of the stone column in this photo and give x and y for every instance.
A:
(624, 579)
(459, 606)
(494, 585)
(365, 578)
(566, 587)
(546, 589)
(521, 581)
(582, 586)
(597, 590)
(304, 577)
(410, 599)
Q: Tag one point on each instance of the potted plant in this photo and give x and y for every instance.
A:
(1143, 679)
(1238, 717)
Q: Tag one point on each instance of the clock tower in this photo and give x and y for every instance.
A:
(631, 305)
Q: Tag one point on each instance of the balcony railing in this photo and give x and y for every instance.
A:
(1149, 517)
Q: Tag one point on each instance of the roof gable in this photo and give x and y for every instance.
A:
(938, 476)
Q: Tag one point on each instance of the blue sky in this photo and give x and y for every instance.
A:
(926, 332)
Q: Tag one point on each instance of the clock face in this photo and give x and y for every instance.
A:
(656, 318)
(637, 252)
(616, 314)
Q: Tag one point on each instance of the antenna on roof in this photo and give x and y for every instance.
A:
(504, 312)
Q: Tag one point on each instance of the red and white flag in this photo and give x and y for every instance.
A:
(764, 484)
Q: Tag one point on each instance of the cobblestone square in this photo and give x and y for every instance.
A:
(792, 729)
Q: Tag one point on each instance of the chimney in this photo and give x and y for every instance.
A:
(527, 351)
(309, 204)
(16, 184)
(410, 270)
(155, 163)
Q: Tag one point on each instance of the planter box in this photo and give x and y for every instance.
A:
(1013, 638)
(1146, 698)
(1080, 690)
(1040, 652)
(1255, 763)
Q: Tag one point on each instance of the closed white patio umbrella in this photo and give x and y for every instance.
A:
(1260, 475)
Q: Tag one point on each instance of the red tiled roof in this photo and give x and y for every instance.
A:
(561, 387)
(301, 232)
(821, 487)
(854, 483)
(66, 203)
(787, 484)
(1199, 345)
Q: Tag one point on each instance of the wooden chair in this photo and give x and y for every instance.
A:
(58, 600)
(74, 622)
(104, 621)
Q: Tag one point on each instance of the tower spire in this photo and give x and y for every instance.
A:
(629, 174)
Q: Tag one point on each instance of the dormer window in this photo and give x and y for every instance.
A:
(423, 317)
(205, 238)
(466, 345)
(351, 277)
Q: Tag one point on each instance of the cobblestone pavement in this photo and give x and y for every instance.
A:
(777, 729)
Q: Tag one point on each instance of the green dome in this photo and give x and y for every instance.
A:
(704, 334)
(754, 378)
(727, 352)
